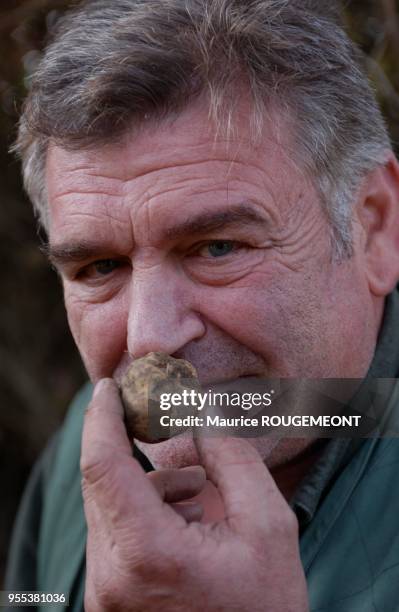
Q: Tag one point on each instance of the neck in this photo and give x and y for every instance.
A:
(289, 474)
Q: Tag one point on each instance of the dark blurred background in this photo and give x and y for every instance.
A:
(40, 369)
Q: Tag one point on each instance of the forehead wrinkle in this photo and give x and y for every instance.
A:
(158, 169)
(76, 193)
(97, 214)
(93, 172)
(150, 198)
(81, 186)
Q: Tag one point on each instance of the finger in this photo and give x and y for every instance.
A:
(111, 477)
(190, 511)
(180, 484)
(106, 409)
(249, 493)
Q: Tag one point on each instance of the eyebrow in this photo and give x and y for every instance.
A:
(240, 215)
(63, 254)
(208, 221)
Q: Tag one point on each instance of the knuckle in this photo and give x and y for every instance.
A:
(285, 523)
(106, 597)
(291, 523)
(159, 567)
(148, 564)
(95, 466)
(110, 598)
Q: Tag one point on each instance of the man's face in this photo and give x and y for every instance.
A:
(213, 251)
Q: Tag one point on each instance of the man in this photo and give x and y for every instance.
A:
(217, 184)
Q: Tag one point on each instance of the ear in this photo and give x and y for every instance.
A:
(378, 213)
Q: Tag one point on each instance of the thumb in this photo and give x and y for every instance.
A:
(249, 493)
(111, 477)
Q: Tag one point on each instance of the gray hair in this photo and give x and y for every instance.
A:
(114, 64)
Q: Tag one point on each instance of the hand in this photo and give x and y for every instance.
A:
(142, 555)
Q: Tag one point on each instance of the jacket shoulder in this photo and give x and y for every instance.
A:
(351, 552)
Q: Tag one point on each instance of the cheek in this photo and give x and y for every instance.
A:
(276, 315)
(100, 332)
(259, 312)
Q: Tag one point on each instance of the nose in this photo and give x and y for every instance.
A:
(161, 316)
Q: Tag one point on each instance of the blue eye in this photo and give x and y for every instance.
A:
(105, 266)
(218, 248)
(95, 272)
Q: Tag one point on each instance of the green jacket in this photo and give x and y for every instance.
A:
(350, 550)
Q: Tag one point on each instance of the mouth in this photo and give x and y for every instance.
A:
(228, 379)
(204, 381)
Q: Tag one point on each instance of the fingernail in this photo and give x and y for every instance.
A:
(196, 469)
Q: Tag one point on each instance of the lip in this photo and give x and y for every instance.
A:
(120, 371)
(230, 379)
